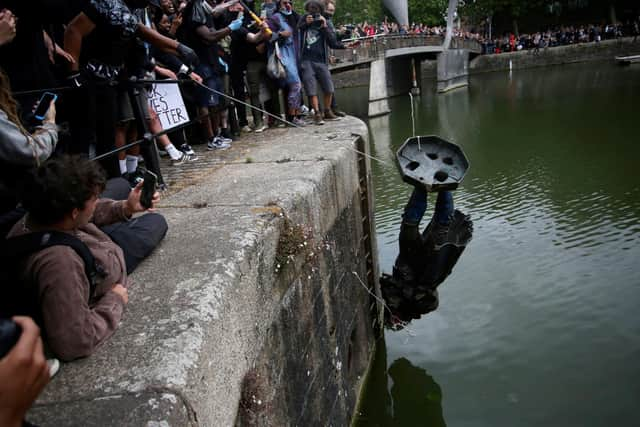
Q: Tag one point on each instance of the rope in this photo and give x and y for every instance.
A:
(402, 323)
(137, 82)
(384, 162)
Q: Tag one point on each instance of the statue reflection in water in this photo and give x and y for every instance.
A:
(414, 398)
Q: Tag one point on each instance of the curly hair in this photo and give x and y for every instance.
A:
(317, 3)
(59, 186)
(8, 104)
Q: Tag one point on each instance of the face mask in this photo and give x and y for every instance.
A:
(285, 11)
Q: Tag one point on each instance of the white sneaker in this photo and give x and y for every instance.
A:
(217, 144)
(54, 367)
(261, 128)
(184, 158)
(246, 129)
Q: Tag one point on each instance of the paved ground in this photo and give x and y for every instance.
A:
(181, 176)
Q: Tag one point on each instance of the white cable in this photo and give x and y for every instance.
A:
(403, 324)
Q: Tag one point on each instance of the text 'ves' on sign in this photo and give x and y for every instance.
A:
(166, 101)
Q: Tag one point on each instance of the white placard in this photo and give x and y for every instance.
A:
(166, 101)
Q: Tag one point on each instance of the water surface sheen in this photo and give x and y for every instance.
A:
(538, 324)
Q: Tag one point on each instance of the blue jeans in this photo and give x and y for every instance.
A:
(417, 205)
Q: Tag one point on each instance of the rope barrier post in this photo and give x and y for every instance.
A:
(149, 149)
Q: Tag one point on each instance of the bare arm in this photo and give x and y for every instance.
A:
(259, 37)
(158, 40)
(78, 29)
(211, 36)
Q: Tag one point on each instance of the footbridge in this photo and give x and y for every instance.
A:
(394, 63)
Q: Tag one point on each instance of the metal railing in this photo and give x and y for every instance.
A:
(366, 49)
(149, 149)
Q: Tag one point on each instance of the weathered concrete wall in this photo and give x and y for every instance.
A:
(252, 311)
(584, 52)
(453, 69)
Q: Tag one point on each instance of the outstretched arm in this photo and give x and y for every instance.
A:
(78, 29)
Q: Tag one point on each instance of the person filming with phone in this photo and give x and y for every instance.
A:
(20, 149)
(78, 311)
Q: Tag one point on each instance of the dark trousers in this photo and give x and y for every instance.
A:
(239, 90)
(139, 237)
(93, 121)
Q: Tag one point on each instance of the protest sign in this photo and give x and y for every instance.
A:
(166, 101)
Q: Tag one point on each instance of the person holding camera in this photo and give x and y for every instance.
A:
(316, 38)
(77, 312)
(24, 373)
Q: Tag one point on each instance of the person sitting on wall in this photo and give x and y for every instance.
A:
(425, 259)
(62, 196)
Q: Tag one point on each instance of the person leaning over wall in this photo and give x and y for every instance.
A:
(78, 314)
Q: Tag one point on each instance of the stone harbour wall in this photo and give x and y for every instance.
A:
(255, 308)
(605, 50)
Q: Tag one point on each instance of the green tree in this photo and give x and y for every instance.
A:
(430, 12)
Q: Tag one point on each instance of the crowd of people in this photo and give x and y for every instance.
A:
(508, 42)
(75, 82)
(392, 28)
(559, 36)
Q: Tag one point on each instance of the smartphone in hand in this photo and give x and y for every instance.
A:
(149, 188)
(44, 104)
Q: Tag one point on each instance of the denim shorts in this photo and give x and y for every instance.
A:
(204, 97)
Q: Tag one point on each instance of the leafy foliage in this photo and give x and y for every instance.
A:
(430, 12)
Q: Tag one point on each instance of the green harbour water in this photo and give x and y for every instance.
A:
(538, 324)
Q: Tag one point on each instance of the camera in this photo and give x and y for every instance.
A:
(10, 333)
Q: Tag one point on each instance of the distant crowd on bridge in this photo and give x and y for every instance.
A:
(390, 28)
(506, 42)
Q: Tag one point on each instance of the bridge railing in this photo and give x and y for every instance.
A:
(366, 49)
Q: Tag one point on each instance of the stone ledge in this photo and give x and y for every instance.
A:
(203, 303)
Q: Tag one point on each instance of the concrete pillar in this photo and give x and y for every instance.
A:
(453, 69)
(378, 96)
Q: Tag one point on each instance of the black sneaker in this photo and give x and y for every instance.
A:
(186, 148)
(226, 134)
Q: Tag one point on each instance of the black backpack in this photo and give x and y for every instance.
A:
(17, 298)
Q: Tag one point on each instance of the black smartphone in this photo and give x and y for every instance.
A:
(44, 104)
(149, 188)
(10, 333)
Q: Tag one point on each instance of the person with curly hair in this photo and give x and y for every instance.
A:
(77, 316)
